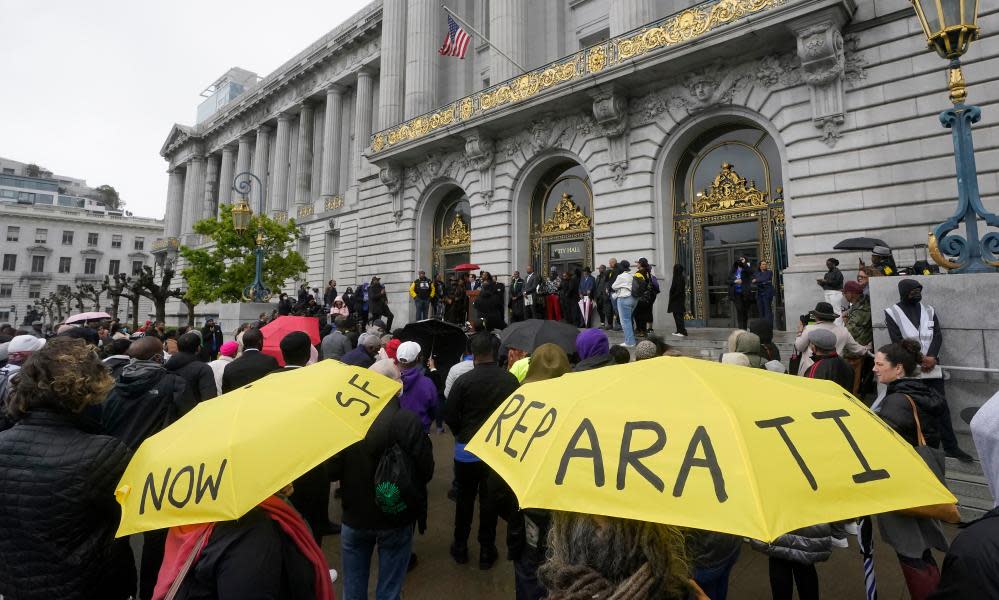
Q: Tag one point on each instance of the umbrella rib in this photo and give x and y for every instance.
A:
(742, 444)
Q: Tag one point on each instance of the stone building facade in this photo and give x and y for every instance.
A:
(682, 132)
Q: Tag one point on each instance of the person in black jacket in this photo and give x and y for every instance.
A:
(118, 358)
(249, 367)
(473, 399)
(832, 285)
(58, 512)
(678, 300)
(740, 290)
(365, 525)
(198, 376)
(828, 365)
(211, 335)
(378, 301)
(489, 304)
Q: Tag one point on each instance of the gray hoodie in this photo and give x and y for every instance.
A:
(985, 432)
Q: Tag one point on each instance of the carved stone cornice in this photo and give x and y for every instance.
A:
(610, 111)
(823, 68)
(391, 178)
(480, 150)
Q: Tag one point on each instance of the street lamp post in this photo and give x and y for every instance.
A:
(950, 26)
(242, 215)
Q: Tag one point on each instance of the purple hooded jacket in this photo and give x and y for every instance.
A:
(593, 349)
(419, 395)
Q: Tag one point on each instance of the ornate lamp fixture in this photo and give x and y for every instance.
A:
(950, 26)
(241, 217)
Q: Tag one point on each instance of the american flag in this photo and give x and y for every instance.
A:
(456, 41)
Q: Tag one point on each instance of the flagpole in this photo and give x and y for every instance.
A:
(484, 38)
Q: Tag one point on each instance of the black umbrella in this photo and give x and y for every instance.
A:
(444, 341)
(528, 335)
(859, 243)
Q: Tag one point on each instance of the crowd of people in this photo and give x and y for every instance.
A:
(75, 405)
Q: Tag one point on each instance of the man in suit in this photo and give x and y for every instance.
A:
(530, 289)
(251, 366)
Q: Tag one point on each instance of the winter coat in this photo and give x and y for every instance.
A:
(335, 345)
(251, 366)
(807, 545)
(145, 399)
(475, 396)
(832, 368)
(376, 298)
(218, 368)
(622, 285)
(744, 289)
(749, 344)
(250, 557)
(116, 363)
(358, 357)
(58, 513)
(339, 311)
(845, 344)
(198, 375)
(897, 412)
(969, 569)
(832, 280)
(858, 321)
(677, 295)
(330, 295)
(419, 395)
(489, 304)
(355, 468)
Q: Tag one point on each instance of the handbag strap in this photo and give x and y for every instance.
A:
(915, 415)
(175, 586)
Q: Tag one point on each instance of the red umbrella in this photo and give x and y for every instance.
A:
(466, 267)
(275, 331)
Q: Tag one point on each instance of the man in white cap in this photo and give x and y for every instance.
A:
(419, 394)
(18, 350)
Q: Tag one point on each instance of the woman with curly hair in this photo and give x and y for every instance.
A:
(592, 556)
(58, 513)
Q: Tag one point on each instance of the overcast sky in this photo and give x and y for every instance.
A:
(90, 89)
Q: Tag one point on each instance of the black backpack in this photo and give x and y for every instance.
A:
(395, 492)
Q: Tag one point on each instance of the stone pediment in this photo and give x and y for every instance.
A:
(91, 252)
(178, 135)
(39, 249)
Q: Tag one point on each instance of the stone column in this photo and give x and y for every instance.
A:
(626, 15)
(279, 198)
(242, 163)
(210, 207)
(194, 193)
(392, 84)
(362, 118)
(422, 17)
(260, 159)
(303, 187)
(225, 177)
(508, 29)
(175, 203)
(333, 124)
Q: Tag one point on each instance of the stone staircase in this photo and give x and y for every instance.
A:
(967, 482)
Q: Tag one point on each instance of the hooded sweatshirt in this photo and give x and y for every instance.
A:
(749, 344)
(593, 350)
(145, 399)
(339, 308)
(419, 395)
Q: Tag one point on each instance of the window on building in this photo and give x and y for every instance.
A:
(4, 316)
(13, 233)
(41, 236)
(37, 264)
(65, 264)
(89, 266)
(9, 262)
(7, 171)
(44, 199)
(6, 290)
(67, 238)
(92, 239)
(116, 241)
(25, 198)
(594, 38)
(114, 267)
(136, 267)
(140, 242)
(62, 289)
(34, 291)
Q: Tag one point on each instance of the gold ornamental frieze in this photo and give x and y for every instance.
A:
(679, 28)
(567, 217)
(728, 192)
(457, 234)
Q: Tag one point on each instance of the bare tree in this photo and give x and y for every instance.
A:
(125, 287)
(160, 292)
(88, 292)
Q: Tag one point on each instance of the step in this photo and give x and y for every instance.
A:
(969, 514)
(956, 466)
(968, 492)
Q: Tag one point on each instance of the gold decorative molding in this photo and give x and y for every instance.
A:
(333, 203)
(778, 218)
(728, 192)
(679, 28)
(457, 234)
(566, 218)
(305, 211)
(682, 227)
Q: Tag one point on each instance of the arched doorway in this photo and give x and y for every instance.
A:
(561, 222)
(451, 233)
(728, 202)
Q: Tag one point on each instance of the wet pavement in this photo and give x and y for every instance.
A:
(437, 576)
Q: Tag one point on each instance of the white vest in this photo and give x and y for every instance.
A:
(924, 334)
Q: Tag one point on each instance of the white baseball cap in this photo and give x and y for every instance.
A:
(25, 343)
(408, 352)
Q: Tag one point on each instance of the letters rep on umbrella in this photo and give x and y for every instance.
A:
(700, 451)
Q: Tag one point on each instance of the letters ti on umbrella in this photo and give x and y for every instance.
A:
(700, 444)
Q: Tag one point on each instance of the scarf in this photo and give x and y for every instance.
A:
(184, 545)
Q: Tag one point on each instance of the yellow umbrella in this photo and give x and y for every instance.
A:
(700, 444)
(230, 453)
